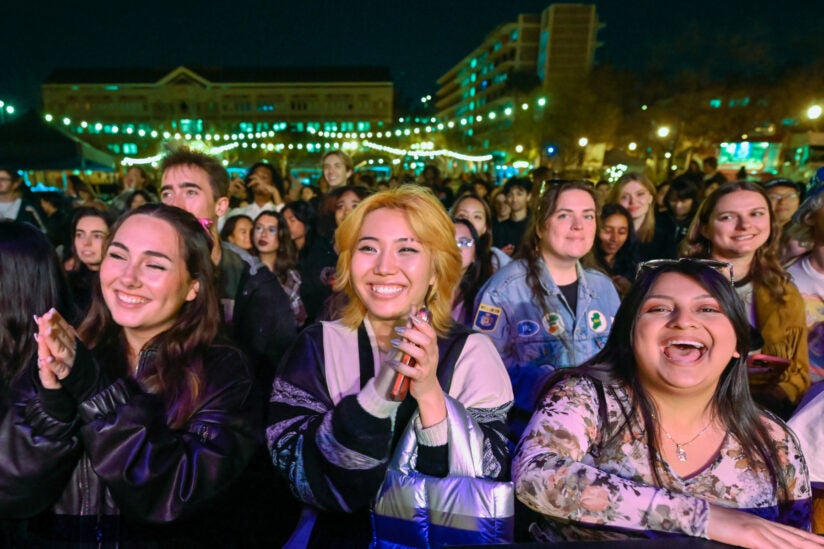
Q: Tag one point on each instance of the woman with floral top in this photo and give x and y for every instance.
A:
(658, 432)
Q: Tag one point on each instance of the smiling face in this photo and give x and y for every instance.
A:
(391, 269)
(266, 234)
(335, 171)
(635, 198)
(738, 225)
(613, 234)
(473, 211)
(682, 339)
(89, 237)
(569, 232)
(144, 279)
(241, 235)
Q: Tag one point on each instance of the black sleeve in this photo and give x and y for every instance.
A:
(157, 473)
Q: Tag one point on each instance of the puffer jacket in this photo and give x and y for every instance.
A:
(114, 472)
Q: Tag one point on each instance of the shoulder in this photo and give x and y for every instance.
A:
(512, 273)
(225, 364)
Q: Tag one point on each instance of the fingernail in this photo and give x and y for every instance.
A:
(37, 337)
(400, 329)
(395, 342)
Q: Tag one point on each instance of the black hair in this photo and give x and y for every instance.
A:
(476, 274)
(731, 403)
(32, 281)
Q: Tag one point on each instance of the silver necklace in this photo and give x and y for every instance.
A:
(679, 446)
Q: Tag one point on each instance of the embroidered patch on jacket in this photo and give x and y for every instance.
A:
(597, 321)
(527, 328)
(554, 324)
(487, 317)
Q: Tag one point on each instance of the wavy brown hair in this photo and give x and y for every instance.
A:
(766, 269)
(176, 371)
(431, 226)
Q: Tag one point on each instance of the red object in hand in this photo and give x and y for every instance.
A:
(400, 385)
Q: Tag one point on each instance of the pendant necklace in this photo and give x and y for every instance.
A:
(679, 446)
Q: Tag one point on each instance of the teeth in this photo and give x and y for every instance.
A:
(694, 344)
(130, 300)
(386, 290)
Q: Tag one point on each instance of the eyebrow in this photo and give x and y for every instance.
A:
(151, 253)
(662, 296)
(184, 185)
(402, 239)
(573, 211)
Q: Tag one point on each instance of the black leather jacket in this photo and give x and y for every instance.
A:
(117, 462)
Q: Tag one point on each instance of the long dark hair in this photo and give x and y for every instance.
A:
(176, 373)
(286, 257)
(31, 282)
(530, 250)
(732, 403)
(477, 273)
(306, 214)
(625, 260)
(766, 268)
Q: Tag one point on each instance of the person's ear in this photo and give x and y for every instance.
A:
(221, 206)
(193, 290)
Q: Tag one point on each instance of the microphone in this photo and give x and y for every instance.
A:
(400, 385)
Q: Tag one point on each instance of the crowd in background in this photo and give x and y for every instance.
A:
(548, 271)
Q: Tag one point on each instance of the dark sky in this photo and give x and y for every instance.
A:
(418, 40)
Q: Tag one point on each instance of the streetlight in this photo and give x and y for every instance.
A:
(663, 131)
(583, 142)
(814, 112)
(632, 146)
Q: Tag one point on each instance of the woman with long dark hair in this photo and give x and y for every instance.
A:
(31, 281)
(156, 416)
(614, 250)
(658, 432)
(476, 268)
(316, 256)
(90, 230)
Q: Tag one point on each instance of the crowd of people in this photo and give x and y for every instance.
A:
(212, 361)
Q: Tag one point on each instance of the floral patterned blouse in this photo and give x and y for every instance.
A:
(585, 491)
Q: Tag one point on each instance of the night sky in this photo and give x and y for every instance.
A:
(419, 40)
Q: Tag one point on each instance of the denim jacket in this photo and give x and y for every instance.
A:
(533, 344)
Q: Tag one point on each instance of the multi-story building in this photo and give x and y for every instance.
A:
(484, 93)
(130, 111)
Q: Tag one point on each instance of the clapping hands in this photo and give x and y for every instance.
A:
(56, 348)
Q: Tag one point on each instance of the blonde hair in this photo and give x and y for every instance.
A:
(647, 229)
(431, 226)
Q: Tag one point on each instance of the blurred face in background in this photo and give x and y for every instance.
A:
(466, 245)
(613, 234)
(266, 234)
(473, 211)
(241, 235)
(89, 238)
(335, 171)
(785, 201)
(345, 204)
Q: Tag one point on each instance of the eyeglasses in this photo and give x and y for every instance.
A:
(774, 197)
(711, 263)
(464, 243)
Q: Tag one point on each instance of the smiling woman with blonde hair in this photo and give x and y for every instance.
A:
(332, 422)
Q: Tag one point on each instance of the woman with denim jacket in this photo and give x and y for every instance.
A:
(544, 310)
(149, 418)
